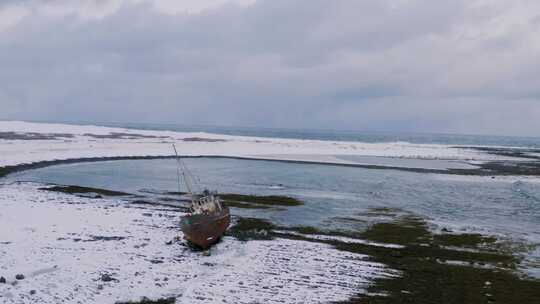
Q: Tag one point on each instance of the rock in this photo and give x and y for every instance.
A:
(32, 292)
(3, 280)
(100, 287)
(107, 278)
(169, 243)
(19, 277)
(156, 261)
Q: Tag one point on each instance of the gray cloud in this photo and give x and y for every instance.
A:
(417, 65)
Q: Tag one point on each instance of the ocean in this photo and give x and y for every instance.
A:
(344, 135)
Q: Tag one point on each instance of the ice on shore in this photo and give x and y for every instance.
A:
(74, 141)
(65, 244)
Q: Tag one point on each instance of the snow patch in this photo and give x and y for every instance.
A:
(342, 239)
(64, 245)
(85, 144)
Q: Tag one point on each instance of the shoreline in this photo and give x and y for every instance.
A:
(493, 168)
(35, 145)
(30, 142)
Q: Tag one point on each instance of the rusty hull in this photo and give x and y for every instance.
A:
(205, 230)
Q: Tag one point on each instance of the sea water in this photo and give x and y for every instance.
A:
(346, 135)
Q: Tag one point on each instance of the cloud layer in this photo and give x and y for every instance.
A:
(408, 65)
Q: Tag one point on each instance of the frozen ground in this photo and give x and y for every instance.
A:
(64, 245)
(24, 142)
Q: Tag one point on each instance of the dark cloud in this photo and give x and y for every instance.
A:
(417, 65)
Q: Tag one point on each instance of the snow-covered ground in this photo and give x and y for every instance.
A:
(74, 141)
(64, 244)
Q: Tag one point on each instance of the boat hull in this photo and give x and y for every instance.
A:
(205, 230)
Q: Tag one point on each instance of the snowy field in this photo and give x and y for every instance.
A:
(80, 250)
(24, 142)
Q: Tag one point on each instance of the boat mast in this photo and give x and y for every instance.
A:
(185, 174)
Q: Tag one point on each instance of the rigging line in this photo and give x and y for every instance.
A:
(192, 179)
(177, 171)
(180, 164)
(189, 179)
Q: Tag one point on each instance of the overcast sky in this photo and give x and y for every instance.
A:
(460, 66)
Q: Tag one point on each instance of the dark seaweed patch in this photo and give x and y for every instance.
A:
(145, 300)
(83, 190)
(270, 200)
(406, 231)
(467, 240)
(243, 205)
(502, 168)
(483, 275)
(435, 268)
(201, 139)
(382, 212)
(251, 229)
(172, 193)
(122, 135)
(33, 136)
(509, 152)
(95, 238)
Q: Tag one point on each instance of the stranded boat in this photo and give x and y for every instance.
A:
(208, 218)
(207, 221)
